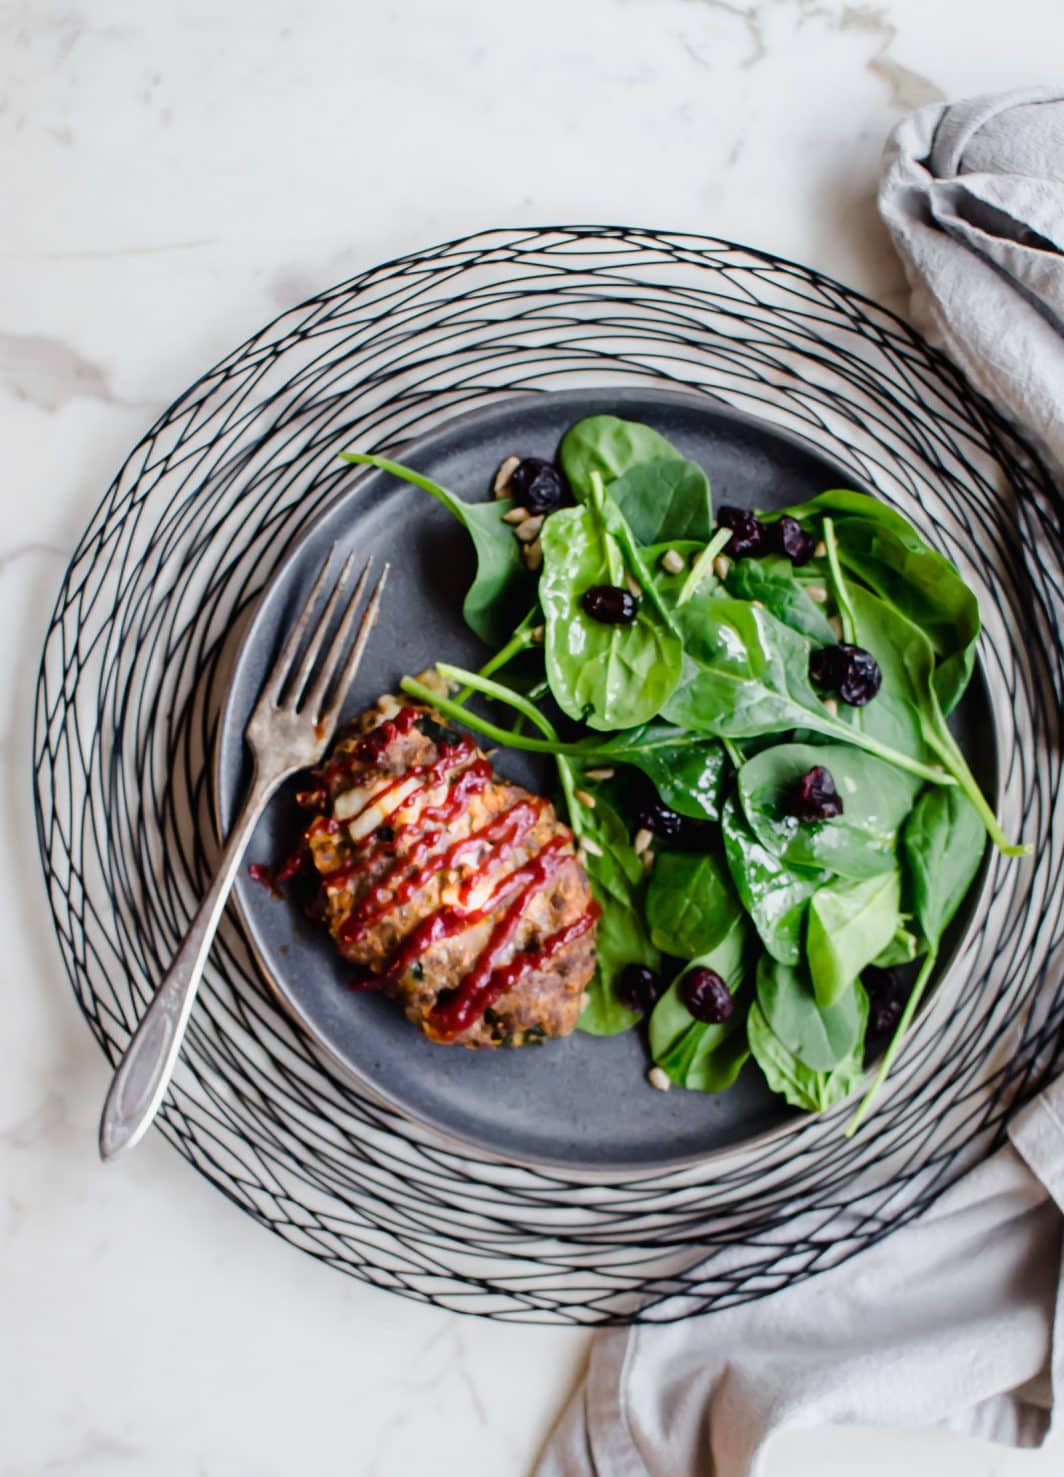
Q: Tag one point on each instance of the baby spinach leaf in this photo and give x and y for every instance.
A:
(942, 845)
(798, 1084)
(773, 894)
(773, 581)
(746, 673)
(664, 501)
(611, 676)
(885, 550)
(903, 948)
(685, 768)
(849, 924)
(610, 446)
(923, 585)
(690, 904)
(908, 664)
(617, 882)
(861, 841)
(698, 1054)
(820, 1037)
(705, 1058)
(842, 501)
(502, 587)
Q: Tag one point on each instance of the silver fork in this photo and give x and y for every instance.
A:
(290, 729)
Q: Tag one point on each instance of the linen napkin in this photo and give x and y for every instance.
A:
(973, 196)
(951, 1320)
(947, 1322)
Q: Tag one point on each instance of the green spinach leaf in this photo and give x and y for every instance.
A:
(774, 895)
(502, 587)
(885, 550)
(903, 948)
(696, 1054)
(665, 501)
(798, 1084)
(861, 841)
(820, 1037)
(942, 846)
(690, 904)
(685, 768)
(745, 673)
(616, 878)
(611, 676)
(908, 665)
(849, 924)
(610, 446)
(773, 581)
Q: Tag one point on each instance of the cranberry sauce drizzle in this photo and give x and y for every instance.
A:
(528, 961)
(412, 871)
(475, 993)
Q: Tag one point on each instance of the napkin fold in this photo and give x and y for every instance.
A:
(973, 196)
(950, 1321)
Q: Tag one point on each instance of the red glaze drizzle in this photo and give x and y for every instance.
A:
(476, 993)
(530, 961)
(413, 844)
(412, 872)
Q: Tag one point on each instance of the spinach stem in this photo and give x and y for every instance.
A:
(454, 505)
(861, 740)
(702, 564)
(941, 741)
(520, 641)
(733, 753)
(838, 585)
(621, 535)
(478, 682)
(890, 1055)
(582, 751)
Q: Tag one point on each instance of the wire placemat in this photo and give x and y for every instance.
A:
(136, 662)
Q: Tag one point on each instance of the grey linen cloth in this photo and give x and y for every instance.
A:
(950, 1321)
(973, 197)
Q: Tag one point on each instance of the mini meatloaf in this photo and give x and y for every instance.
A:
(455, 891)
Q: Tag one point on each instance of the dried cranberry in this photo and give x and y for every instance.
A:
(610, 604)
(749, 536)
(706, 996)
(825, 666)
(697, 835)
(657, 817)
(638, 988)
(537, 485)
(814, 796)
(791, 540)
(887, 994)
(861, 678)
(848, 670)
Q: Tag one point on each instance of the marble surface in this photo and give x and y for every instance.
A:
(172, 175)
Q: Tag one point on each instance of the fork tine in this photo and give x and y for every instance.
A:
(282, 666)
(294, 687)
(330, 715)
(328, 667)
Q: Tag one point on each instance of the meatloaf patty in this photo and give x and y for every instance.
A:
(456, 891)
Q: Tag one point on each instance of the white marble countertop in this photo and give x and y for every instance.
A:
(172, 176)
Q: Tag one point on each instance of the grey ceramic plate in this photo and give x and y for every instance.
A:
(582, 1103)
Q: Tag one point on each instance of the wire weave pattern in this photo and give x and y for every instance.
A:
(136, 661)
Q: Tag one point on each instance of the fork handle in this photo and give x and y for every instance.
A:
(145, 1070)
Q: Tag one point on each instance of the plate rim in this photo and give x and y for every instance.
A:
(471, 1145)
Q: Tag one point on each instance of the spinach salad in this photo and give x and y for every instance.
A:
(748, 714)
